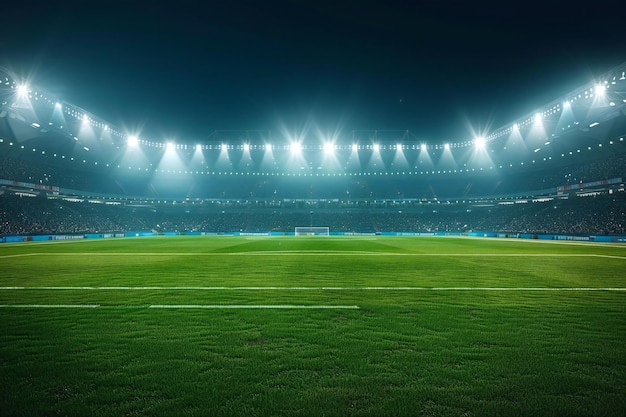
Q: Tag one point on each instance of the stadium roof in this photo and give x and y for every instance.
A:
(37, 122)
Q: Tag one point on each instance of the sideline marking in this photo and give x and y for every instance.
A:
(316, 288)
(245, 306)
(323, 252)
(18, 255)
(190, 306)
(49, 305)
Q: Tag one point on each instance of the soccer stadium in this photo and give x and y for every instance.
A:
(553, 174)
(272, 272)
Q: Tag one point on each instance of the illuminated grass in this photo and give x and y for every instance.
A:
(403, 352)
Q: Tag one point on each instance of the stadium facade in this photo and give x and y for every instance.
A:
(362, 182)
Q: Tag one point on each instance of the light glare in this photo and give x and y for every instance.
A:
(600, 89)
(295, 147)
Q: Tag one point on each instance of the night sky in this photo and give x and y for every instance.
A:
(182, 70)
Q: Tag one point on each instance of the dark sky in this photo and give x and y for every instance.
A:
(182, 70)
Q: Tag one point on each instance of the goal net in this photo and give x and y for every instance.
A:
(312, 231)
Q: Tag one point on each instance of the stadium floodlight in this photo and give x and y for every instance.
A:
(376, 147)
(446, 146)
(224, 147)
(328, 148)
(133, 141)
(198, 147)
(170, 146)
(57, 105)
(295, 147)
(423, 147)
(268, 146)
(355, 147)
(398, 146)
(600, 89)
(479, 142)
(22, 90)
(246, 147)
(515, 127)
(538, 117)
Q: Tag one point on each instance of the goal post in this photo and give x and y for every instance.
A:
(312, 231)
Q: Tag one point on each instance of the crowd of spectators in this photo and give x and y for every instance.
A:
(603, 214)
(394, 204)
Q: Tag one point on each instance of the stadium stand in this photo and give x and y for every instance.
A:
(566, 180)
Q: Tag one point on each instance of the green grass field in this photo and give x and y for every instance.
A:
(312, 326)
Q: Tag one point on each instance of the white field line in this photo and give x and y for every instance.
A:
(329, 253)
(266, 306)
(539, 241)
(180, 288)
(49, 305)
(51, 242)
(18, 255)
(193, 306)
